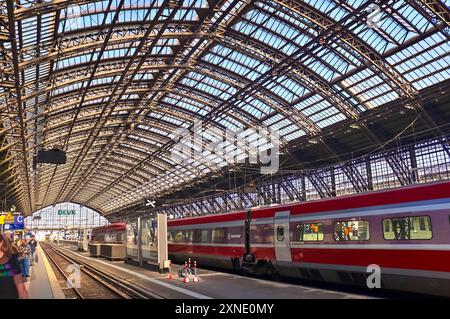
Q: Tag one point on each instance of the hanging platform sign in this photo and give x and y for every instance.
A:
(12, 222)
(9, 218)
(19, 220)
(14, 226)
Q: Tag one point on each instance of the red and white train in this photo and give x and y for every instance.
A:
(405, 232)
(109, 234)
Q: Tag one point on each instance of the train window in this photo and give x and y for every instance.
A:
(177, 236)
(187, 236)
(280, 233)
(351, 230)
(407, 228)
(218, 235)
(201, 235)
(310, 232)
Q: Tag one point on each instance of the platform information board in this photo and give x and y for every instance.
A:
(10, 221)
(14, 227)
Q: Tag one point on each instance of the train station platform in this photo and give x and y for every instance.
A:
(42, 283)
(212, 285)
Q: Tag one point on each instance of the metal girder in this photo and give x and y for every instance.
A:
(359, 182)
(298, 194)
(389, 74)
(291, 190)
(399, 165)
(247, 200)
(81, 44)
(299, 72)
(106, 36)
(214, 203)
(270, 194)
(174, 77)
(265, 200)
(264, 95)
(235, 204)
(280, 67)
(36, 7)
(16, 107)
(117, 133)
(322, 187)
(113, 99)
(288, 190)
(196, 208)
(71, 78)
(436, 11)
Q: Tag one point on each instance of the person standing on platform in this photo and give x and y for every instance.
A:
(11, 281)
(24, 257)
(33, 245)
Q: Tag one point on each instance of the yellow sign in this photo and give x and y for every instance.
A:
(2, 219)
(9, 218)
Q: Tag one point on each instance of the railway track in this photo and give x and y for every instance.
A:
(94, 283)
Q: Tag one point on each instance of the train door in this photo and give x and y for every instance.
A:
(281, 237)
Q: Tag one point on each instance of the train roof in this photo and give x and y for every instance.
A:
(110, 227)
(410, 193)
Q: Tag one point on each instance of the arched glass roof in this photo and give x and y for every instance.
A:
(113, 81)
(69, 216)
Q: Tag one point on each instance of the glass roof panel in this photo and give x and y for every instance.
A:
(221, 64)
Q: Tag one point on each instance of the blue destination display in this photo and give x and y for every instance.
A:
(14, 226)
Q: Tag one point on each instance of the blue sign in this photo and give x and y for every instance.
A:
(14, 226)
(18, 224)
(19, 220)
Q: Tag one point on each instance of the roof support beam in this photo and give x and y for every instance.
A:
(396, 80)
(119, 90)
(322, 187)
(17, 103)
(280, 68)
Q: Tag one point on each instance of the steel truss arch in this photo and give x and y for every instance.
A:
(114, 83)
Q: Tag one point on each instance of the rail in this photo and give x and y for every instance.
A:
(119, 286)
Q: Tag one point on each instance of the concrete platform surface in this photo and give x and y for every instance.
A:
(214, 284)
(42, 283)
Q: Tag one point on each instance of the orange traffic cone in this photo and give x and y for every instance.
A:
(185, 277)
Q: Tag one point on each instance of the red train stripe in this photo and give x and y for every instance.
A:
(406, 259)
(231, 251)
